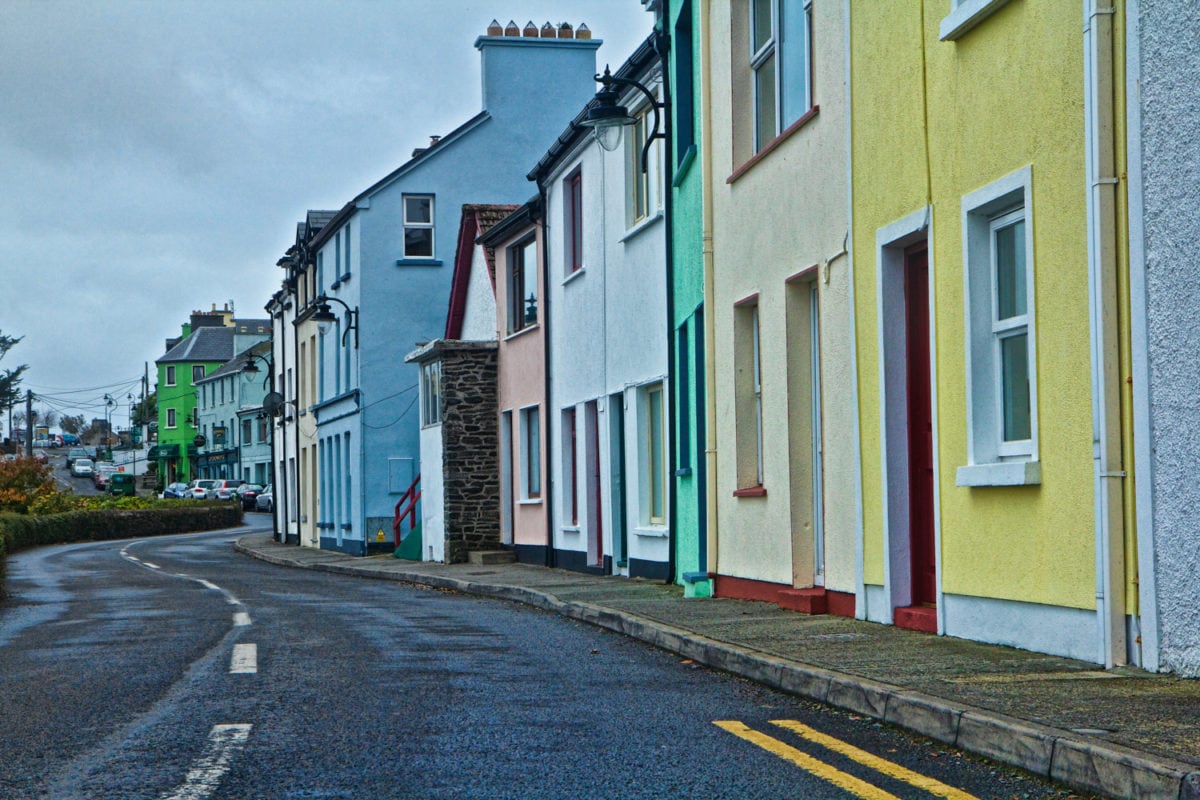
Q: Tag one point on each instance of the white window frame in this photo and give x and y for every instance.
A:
(655, 484)
(531, 454)
(430, 225)
(774, 47)
(170, 376)
(965, 15)
(431, 393)
(171, 422)
(637, 182)
(992, 461)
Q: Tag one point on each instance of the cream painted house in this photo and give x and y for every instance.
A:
(784, 414)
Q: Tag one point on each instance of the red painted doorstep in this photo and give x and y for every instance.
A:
(808, 601)
(916, 618)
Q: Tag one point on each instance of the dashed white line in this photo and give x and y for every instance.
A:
(245, 659)
(224, 741)
(241, 618)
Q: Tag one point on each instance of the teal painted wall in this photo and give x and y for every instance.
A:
(687, 288)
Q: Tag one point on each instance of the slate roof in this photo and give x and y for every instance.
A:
(477, 219)
(205, 344)
(234, 365)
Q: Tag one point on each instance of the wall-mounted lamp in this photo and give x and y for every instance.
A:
(606, 118)
(324, 317)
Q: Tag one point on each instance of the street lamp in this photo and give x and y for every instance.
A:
(273, 406)
(109, 404)
(324, 317)
(607, 118)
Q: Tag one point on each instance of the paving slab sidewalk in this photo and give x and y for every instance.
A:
(1122, 733)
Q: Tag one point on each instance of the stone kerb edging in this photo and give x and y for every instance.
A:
(1087, 765)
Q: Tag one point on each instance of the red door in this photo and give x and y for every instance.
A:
(920, 426)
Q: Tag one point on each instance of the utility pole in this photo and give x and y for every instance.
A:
(29, 423)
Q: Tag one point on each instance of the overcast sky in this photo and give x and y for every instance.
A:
(156, 156)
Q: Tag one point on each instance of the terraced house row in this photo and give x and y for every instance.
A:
(875, 309)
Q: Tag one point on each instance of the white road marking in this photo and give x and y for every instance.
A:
(151, 566)
(224, 741)
(245, 659)
(241, 618)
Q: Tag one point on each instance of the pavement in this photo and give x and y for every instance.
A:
(1121, 733)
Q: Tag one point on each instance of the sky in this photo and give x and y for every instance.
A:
(156, 155)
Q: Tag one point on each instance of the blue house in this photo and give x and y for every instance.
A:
(382, 271)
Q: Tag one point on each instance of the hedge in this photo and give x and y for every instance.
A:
(22, 531)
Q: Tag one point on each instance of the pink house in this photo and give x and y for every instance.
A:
(515, 243)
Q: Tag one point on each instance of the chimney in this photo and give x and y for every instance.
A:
(511, 29)
(531, 30)
(495, 28)
(515, 67)
(583, 32)
(549, 31)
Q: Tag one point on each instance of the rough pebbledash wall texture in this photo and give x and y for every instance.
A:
(470, 459)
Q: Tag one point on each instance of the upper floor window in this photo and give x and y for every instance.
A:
(247, 431)
(197, 372)
(344, 270)
(573, 220)
(170, 418)
(682, 93)
(418, 226)
(170, 375)
(781, 60)
(522, 285)
(637, 201)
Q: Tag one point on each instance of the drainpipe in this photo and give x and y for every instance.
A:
(547, 496)
(1102, 294)
(710, 341)
(662, 45)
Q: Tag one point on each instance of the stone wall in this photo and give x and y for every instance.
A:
(470, 458)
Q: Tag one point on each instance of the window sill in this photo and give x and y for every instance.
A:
(1001, 473)
(522, 332)
(685, 166)
(530, 501)
(758, 157)
(574, 275)
(966, 16)
(641, 226)
(570, 529)
(418, 262)
(683, 472)
(751, 491)
(654, 531)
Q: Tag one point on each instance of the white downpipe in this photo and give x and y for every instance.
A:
(1140, 334)
(860, 586)
(710, 327)
(1109, 533)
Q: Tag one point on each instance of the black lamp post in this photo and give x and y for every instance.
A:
(606, 117)
(273, 406)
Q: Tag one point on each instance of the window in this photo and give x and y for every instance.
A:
(531, 454)
(195, 418)
(637, 179)
(570, 469)
(345, 269)
(170, 375)
(197, 372)
(337, 256)
(683, 426)
(682, 95)
(1001, 373)
(320, 272)
(431, 393)
(748, 413)
(247, 431)
(780, 59)
(656, 463)
(418, 226)
(170, 418)
(262, 429)
(573, 220)
(522, 285)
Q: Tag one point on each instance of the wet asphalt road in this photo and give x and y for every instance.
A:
(128, 672)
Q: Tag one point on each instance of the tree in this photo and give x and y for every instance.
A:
(146, 411)
(10, 379)
(73, 424)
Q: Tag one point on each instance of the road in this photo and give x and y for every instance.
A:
(176, 668)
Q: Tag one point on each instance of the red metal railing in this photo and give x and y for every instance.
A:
(407, 502)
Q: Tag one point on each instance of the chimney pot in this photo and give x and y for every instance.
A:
(548, 31)
(565, 32)
(530, 29)
(583, 31)
(495, 28)
(511, 29)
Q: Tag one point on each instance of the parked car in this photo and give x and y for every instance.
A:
(41, 457)
(223, 489)
(100, 472)
(198, 488)
(174, 491)
(248, 493)
(122, 483)
(82, 467)
(77, 452)
(266, 499)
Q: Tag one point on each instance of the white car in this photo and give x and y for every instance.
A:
(198, 489)
(82, 467)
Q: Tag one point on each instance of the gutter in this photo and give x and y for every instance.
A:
(662, 46)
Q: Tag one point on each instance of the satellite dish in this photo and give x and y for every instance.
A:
(273, 404)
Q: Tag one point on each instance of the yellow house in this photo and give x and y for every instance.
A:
(986, 207)
(784, 488)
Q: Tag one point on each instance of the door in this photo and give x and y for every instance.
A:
(920, 426)
(507, 525)
(616, 466)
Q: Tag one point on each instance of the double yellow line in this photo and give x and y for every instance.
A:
(833, 775)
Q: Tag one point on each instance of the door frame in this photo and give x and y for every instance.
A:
(891, 241)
